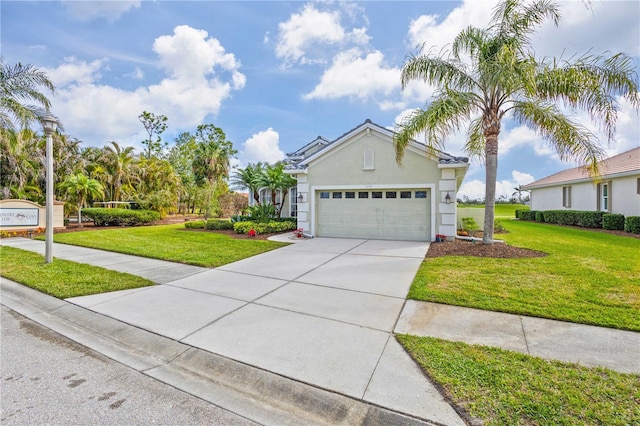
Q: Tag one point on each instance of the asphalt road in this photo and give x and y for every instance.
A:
(49, 379)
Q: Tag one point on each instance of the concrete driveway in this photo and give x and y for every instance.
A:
(320, 312)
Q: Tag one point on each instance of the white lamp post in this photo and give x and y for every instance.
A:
(49, 123)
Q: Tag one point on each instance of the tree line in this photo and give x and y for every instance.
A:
(191, 176)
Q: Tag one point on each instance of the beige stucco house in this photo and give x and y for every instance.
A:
(616, 190)
(352, 187)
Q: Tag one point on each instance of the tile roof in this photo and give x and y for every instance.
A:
(627, 162)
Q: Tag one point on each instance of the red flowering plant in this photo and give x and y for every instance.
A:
(441, 238)
(252, 233)
(298, 233)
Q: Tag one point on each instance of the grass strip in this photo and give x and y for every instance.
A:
(63, 278)
(508, 388)
(171, 242)
(588, 277)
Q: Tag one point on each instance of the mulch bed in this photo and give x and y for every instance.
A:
(468, 248)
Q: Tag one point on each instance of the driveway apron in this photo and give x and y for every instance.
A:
(320, 312)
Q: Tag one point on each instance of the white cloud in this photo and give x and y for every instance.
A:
(110, 10)
(353, 75)
(200, 77)
(262, 147)
(302, 29)
(433, 34)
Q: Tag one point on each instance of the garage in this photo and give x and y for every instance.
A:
(387, 214)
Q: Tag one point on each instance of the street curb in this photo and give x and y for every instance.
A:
(256, 394)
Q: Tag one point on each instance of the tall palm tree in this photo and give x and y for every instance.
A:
(118, 162)
(20, 162)
(19, 84)
(249, 178)
(499, 75)
(80, 187)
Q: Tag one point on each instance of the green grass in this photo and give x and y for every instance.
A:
(62, 278)
(508, 388)
(501, 211)
(588, 277)
(171, 242)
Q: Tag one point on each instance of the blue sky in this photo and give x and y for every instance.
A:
(274, 75)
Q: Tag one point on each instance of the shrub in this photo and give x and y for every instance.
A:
(262, 213)
(469, 225)
(196, 224)
(519, 212)
(120, 217)
(613, 221)
(498, 226)
(527, 214)
(218, 224)
(590, 219)
(263, 228)
(539, 216)
(632, 224)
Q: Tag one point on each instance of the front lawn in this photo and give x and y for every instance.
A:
(170, 242)
(588, 277)
(507, 388)
(501, 211)
(62, 278)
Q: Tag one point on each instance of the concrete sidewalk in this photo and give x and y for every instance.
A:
(587, 345)
(320, 312)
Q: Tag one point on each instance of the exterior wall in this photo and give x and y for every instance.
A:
(343, 167)
(7, 206)
(624, 197)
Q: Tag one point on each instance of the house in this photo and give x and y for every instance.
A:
(352, 187)
(615, 190)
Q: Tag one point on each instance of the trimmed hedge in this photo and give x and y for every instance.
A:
(196, 224)
(613, 221)
(527, 214)
(218, 224)
(585, 219)
(632, 224)
(263, 228)
(539, 216)
(120, 217)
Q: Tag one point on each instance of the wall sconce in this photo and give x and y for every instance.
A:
(447, 198)
(300, 198)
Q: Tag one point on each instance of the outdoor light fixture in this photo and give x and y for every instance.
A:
(49, 123)
(447, 198)
(300, 198)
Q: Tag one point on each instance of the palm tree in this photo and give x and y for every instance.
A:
(118, 162)
(20, 162)
(500, 76)
(80, 187)
(18, 84)
(249, 178)
(275, 179)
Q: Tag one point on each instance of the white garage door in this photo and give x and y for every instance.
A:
(393, 214)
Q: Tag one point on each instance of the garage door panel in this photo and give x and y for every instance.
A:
(377, 218)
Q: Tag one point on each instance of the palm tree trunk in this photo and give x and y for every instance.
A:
(491, 172)
(80, 214)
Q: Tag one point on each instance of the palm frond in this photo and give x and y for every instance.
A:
(568, 138)
(474, 146)
(437, 71)
(446, 114)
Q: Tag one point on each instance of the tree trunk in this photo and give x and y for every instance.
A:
(79, 215)
(491, 129)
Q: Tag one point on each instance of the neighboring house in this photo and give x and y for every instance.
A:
(352, 187)
(615, 190)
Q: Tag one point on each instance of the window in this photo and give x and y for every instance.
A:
(638, 185)
(293, 201)
(265, 196)
(405, 194)
(391, 194)
(324, 194)
(566, 196)
(376, 194)
(368, 160)
(349, 195)
(604, 197)
(363, 195)
(337, 195)
(421, 194)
